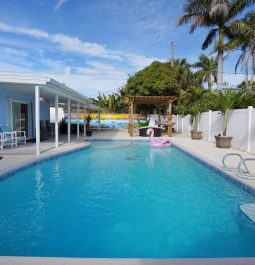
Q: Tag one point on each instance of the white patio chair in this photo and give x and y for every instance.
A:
(10, 138)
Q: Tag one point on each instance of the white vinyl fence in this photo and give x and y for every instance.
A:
(241, 126)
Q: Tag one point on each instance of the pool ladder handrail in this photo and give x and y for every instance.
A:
(243, 171)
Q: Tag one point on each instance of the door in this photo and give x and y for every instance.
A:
(20, 116)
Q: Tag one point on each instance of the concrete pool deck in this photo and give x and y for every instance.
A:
(201, 149)
(25, 154)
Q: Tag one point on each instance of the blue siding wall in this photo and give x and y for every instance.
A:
(7, 94)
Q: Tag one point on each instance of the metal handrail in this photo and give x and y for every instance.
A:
(242, 162)
(234, 168)
(242, 168)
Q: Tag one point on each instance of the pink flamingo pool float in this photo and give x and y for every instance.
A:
(157, 142)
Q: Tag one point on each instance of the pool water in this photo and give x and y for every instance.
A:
(124, 199)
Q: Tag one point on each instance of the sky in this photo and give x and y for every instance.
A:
(94, 46)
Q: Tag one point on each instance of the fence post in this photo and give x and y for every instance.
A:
(209, 124)
(177, 122)
(182, 124)
(248, 129)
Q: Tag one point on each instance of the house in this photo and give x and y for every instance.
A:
(25, 103)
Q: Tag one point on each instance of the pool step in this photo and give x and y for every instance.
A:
(249, 210)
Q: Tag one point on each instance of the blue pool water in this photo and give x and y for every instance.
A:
(121, 199)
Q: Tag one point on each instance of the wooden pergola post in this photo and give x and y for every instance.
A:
(131, 129)
(169, 129)
(148, 100)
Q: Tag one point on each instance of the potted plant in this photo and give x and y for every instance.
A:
(193, 102)
(225, 102)
(88, 129)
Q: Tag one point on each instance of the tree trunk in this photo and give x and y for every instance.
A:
(225, 125)
(209, 82)
(246, 81)
(220, 60)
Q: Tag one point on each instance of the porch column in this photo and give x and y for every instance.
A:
(37, 118)
(56, 120)
(69, 121)
(84, 121)
(78, 120)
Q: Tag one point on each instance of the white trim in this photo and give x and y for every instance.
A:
(29, 116)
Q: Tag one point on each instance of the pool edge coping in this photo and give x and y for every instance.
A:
(39, 160)
(9, 260)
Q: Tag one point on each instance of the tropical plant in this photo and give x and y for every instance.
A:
(216, 15)
(88, 120)
(225, 101)
(243, 31)
(207, 70)
(192, 102)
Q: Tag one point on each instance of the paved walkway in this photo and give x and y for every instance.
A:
(25, 154)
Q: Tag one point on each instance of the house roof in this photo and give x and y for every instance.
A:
(48, 88)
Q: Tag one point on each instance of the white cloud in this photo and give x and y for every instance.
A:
(59, 4)
(66, 43)
(30, 32)
(140, 61)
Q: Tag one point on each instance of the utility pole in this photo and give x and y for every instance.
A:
(172, 53)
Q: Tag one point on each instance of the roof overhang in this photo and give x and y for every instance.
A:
(48, 89)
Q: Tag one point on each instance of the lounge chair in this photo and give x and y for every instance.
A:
(7, 137)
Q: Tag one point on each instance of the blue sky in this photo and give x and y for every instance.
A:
(94, 45)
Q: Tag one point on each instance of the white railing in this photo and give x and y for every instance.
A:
(241, 126)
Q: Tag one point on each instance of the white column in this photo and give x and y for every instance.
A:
(182, 124)
(78, 120)
(248, 129)
(209, 124)
(37, 118)
(177, 122)
(84, 121)
(56, 120)
(69, 121)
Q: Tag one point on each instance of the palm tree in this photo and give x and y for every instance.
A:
(243, 31)
(207, 72)
(217, 16)
(184, 75)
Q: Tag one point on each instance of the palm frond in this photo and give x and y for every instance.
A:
(210, 37)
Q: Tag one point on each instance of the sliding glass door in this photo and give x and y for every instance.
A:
(20, 116)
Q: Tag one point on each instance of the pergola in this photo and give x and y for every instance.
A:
(148, 100)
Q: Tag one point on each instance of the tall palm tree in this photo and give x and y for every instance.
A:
(207, 72)
(243, 31)
(217, 16)
(184, 75)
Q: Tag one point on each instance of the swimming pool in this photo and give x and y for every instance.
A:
(124, 199)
